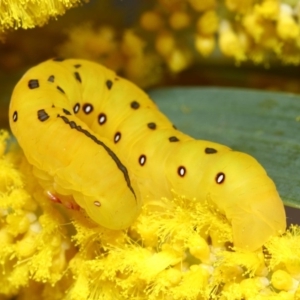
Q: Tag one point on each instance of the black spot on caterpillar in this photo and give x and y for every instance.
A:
(60, 89)
(77, 76)
(42, 115)
(109, 84)
(110, 184)
(151, 125)
(33, 84)
(134, 105)
(51, 78)
(66, 111)
(173, 139)
(210, 150)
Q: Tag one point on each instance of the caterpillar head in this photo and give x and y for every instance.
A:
(115, 213)
(240, 188)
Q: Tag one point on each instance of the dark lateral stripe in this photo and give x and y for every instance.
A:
(77, 76)
(42, 115)
(119, 164)
(77, 66)
(72, 124)
(210, 150)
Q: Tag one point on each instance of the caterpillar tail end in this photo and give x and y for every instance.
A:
(253, 226)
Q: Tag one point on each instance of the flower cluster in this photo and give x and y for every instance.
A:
(173, 35)
(167, 37)
(177, 249)
(26, 14)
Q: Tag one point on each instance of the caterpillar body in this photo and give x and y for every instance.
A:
(95, 136)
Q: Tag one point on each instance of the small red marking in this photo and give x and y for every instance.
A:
(66, 203)
(53, 197)
(71, 205)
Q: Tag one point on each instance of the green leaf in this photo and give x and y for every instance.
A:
(265, 125)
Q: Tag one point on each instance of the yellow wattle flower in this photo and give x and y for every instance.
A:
(177, 248)
(27, 14)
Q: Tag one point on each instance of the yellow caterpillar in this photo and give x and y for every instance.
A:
(99, 138)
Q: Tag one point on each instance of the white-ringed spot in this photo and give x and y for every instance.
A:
(97, 203)
(117, 137)
(87, 108)
(181, 171)
(102, 119)
(76, 108)
(15, 116)
(142, 159)
(220, 178)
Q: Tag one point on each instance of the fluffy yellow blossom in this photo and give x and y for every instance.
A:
(281, 280)
(199, 5)
(208, 23)
(205, 45)
(30, 13)
(151, 21)
(179, 59)
(240, 6)
(229, 42)
(286, 251)
(141, 67)
(254, 26)
(179, 20)
(287, 27)
(177, 249)
(100, 44)
(170, 36)
(174, 34)
(165, 43)
(268, 9)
